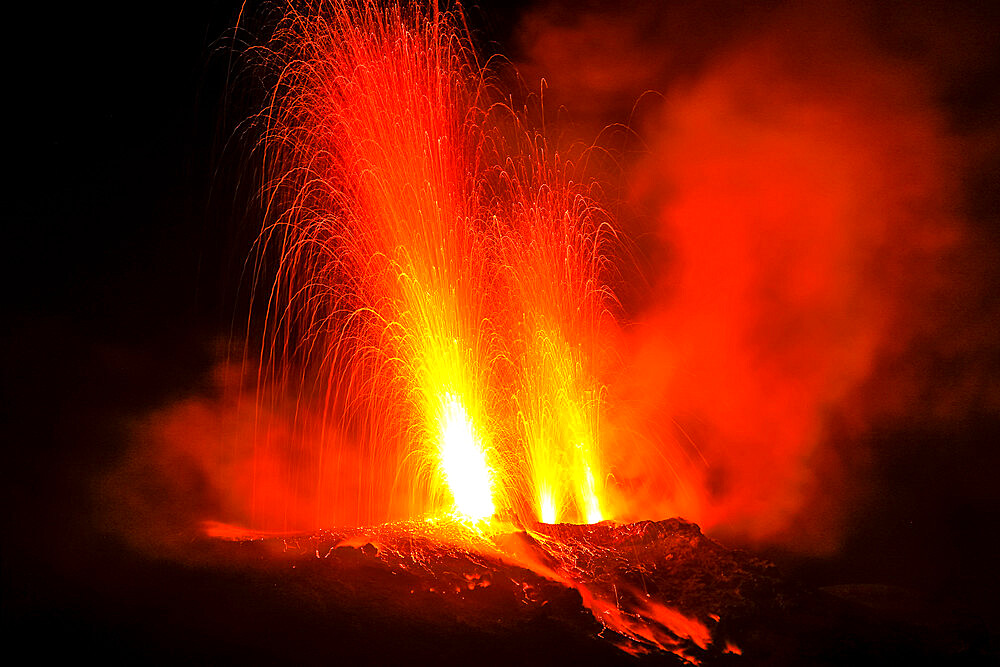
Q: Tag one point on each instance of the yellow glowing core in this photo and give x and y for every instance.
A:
(591, 504)
(463, 462)
(547, 506)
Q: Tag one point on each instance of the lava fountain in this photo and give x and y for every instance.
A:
(442, 279)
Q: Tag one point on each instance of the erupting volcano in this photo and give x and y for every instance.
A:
(441, 335)
(443, 298)
(357, 336)
(540, 332)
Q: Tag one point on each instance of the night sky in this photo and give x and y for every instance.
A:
(132, 204)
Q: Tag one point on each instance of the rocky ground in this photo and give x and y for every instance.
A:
(648, 593)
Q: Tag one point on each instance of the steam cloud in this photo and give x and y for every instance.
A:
(795, 196)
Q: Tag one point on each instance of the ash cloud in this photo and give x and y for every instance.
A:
(797, 189)
(241, 453)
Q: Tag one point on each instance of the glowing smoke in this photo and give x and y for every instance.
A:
(794, 194)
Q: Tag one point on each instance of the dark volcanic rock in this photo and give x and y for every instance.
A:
(649, 593)
(561, 594)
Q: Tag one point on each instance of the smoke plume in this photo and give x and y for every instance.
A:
(794, 189)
